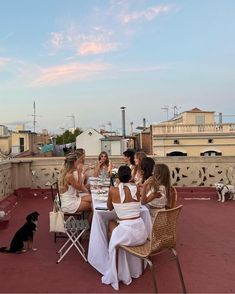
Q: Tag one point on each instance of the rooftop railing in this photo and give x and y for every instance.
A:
(193, 129)
(38, 173)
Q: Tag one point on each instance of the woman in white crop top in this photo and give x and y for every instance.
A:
(156, 190)
(129, 229)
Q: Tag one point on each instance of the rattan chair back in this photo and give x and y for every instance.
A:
(173, 197)
(163, 233)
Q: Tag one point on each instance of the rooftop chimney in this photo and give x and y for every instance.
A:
(131, 128)
(123, 121)
(144, 122)
(220, 118)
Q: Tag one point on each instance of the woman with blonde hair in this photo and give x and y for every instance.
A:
(157, 189)
(81, 155)
(69, 184)
(103, 165)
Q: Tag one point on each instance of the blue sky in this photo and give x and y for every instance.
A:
(88, 58)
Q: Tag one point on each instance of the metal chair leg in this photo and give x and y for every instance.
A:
(179, 270)
(153, 274)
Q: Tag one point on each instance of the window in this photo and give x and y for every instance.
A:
(200, 119)
(210, 140)
(176, 142)
(211, 153)
(176, 153)
(21, 144)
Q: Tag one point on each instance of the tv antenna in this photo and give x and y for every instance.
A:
(166, 109)
(175, 110)
(73, 119)
(34, 116)
(110, 125)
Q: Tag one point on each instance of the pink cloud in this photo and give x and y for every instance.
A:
(147, 14)
(57, 40)
(97, 41)
(148, 68)
(69, 72)
(4, 61)
(96, 48)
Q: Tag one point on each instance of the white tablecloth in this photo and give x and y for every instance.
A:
(98, 244)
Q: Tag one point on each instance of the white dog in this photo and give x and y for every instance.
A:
(224, 189)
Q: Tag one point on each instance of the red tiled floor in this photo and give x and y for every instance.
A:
(205, 245)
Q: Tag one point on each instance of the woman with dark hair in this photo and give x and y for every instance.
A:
(129, 229)
(129, 159)
(146, 166)
(103, 165)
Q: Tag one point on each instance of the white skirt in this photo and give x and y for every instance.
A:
(69, 203)
(130, 233)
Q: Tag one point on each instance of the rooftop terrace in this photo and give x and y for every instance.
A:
(205, 245)
(205, 233)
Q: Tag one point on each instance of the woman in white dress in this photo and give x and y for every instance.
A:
(71, 202)
(129, 229)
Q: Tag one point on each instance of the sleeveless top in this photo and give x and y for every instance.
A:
(158, 202)
(127, 210)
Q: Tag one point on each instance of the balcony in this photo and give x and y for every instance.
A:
(168, 129)
(205, 233)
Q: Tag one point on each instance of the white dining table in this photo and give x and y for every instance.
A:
(98, 254)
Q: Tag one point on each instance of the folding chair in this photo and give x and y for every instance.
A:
(74, 229)
(75, 225)
(163, 237)
(57, 202)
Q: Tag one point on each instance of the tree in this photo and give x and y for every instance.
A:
(68, 137)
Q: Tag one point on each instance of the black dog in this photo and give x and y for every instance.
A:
(24, 234)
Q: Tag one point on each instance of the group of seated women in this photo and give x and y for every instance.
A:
(140, 181)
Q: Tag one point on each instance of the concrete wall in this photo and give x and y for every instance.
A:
(115, 147)
(185, 171)
(5, 144)
(90, 141)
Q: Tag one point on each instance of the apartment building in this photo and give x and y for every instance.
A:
(21, 140)
(193, 133)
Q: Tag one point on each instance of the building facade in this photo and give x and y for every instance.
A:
(193, 133)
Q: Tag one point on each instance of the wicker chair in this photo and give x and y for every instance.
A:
(174, 197)
(163, 236)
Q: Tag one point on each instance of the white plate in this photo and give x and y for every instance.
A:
(93, 178)
(101, 198)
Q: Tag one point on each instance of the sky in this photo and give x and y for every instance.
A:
(88, 58)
